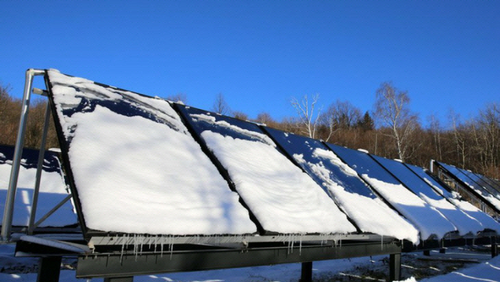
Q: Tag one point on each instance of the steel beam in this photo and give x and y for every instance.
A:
(126, 265)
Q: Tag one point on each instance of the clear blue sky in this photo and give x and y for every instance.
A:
(259, 54)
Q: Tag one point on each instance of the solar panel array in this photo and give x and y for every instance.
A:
(142, 165)
(460, 175)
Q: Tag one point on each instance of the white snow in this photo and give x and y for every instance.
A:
(136, 175)
(486, 271)
(52, 191)
(282, 197)
(464, 223)
(481, 191)
(485, 220)
(428, 220)
(374, 216)
(252, 134)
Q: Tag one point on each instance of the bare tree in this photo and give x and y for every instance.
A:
(239, 115)
(341, 115)
(435, 129)
(307, 118)
(220, 106)
(459, 138)
(392, 111)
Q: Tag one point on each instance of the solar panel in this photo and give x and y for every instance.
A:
(464, 223)
(490, 181)
(342, 183)
(52, 188)
(481, 182)
(135, 168)
(485, 220)
(427, 220)
(281, 196)
(485, 194)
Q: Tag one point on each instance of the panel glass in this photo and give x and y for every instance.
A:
(490, 181)
(135, 166)
(464, 223)
(311, 154)
(480, 182)
(486, 221)
(430, 180)
(52, 188)
(471, 184)
(281, 196)
(344, 186)
(427, 220)
(408, 178)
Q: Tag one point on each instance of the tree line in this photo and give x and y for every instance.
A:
(391, 130)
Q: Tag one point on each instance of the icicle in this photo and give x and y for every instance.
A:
(300, 245)
(171, 246)
(123, 248)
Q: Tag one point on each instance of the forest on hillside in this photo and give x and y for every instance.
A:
(391, 130)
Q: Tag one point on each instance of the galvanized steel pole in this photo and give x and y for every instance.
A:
(14, 173)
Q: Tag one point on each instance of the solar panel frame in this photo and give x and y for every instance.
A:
(476, 190)
(143, 113)
(344, 185)
(202, 121)
(66, 163)
(449, 209)
(479, 181)
(383, 175)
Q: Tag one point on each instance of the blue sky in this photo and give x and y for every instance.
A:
(260, 54)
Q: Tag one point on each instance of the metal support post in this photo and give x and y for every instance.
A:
(39, 170)
(14, 174)
(49, 269)
(494, 247)
(306, 273)
(395, 267)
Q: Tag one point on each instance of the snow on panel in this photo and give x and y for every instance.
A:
(472, 185)
(52, 189)
(481, 182)
(351, 193)
(428, 220)
(136, 168)
(464, 223)
(282, 197)
(486, 221)
(490, 182)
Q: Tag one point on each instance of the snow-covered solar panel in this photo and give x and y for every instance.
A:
(281, 196)
(480, 182)
(427, 219)
(135, 168)
(351, 193)
(52, 188)
(484, 219)
(464, 222)
(485, 194)
(490, 181)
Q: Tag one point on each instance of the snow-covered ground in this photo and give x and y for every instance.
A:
(458, 264)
